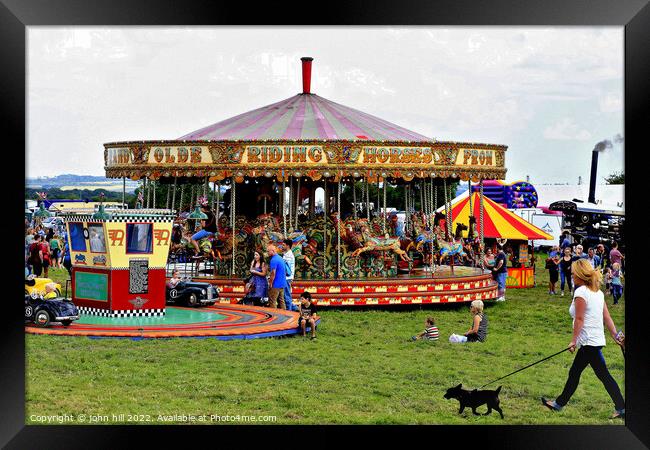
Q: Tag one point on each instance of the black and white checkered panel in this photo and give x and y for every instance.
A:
(135, 215)
(121, 312)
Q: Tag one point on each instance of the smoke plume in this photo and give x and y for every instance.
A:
(604, 145)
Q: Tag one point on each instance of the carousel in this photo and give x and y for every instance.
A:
(355, 194)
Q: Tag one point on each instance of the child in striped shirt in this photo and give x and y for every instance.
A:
(430, 332)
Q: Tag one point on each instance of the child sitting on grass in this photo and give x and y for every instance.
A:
(307, 314)
(430, 332)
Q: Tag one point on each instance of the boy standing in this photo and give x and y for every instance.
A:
(290, 259)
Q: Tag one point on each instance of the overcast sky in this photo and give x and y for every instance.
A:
(549, 94)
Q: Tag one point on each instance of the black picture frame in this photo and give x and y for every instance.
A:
(634, 15)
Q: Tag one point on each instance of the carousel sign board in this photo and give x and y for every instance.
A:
(284, 154)
(476, 157)
(180, 155)
(222, 159)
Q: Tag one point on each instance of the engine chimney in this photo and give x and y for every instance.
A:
(592, 180)
(306, 74)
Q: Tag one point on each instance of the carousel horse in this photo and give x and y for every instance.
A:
(347, 232)
(372, 243)
(225, 251)
(450, 249)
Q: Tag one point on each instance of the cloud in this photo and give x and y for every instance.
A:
(566, 129)
(611, 102)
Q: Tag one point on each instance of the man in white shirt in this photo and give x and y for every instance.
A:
(290, 260)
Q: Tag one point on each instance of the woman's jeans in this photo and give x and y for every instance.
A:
(565, 276)
(593, 356)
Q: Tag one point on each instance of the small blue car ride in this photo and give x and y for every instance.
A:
(192, 293)
(42, 312)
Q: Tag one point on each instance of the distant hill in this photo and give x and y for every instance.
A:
(71, 182)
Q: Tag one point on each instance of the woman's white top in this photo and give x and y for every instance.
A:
(593, 330)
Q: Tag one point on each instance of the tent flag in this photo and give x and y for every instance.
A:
(498, 221)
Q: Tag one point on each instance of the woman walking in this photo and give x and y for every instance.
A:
(565, 270)
(589, 312)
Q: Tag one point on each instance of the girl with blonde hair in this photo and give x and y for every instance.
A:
(589, 312)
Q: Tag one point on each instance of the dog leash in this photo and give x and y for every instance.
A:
(529, 365)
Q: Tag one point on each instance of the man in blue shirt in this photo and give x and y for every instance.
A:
(566, 242)
(277, 278)
(593, 258)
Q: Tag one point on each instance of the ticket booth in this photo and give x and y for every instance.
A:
(118, 262)
(523, 275)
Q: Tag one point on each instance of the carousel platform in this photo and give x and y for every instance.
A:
(445, 285)
(222, 321)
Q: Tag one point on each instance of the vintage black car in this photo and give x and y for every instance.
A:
(43, 312)
(192, 293)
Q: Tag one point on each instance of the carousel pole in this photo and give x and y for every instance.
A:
(233, 205)
(290, 201)
(421, 195)
(218, 207)
(214, 195)
(169, 195)
(145, 188)
(297, 204)
(444, 188)
(451, 217)
(180, 203)
(406, 211)
(367, 189)
(469, 189)
(435, 197)
(153, 205)
(482, 233)
(354, 198)
(377, 209)
(205, 187)
(284, 216)
(383, 222)
(338, 235)
(123, 191)
(325, 213)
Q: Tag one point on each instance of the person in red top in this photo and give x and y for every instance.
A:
(615, 256)
(45, 256)
(35, 255)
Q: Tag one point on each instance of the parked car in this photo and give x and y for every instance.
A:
(56, 222)
(43, 312)
(36, 286)
(192, 293)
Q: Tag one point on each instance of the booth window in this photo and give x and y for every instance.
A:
(139, 238)
(77, 239)
(97, 240)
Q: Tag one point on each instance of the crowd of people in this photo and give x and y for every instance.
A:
(609, 263)
(269, 284)
(45, 248)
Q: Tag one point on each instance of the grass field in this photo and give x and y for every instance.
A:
(362, 369)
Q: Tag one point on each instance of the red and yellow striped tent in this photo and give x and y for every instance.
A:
(498, 221)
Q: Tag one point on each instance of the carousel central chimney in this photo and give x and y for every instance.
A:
(592, 179)
(306, 74)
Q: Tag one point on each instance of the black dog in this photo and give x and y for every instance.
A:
(474, 399)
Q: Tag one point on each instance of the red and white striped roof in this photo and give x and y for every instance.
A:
(305, 116)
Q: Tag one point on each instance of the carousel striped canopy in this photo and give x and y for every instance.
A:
(305, 117)
(498, 221)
